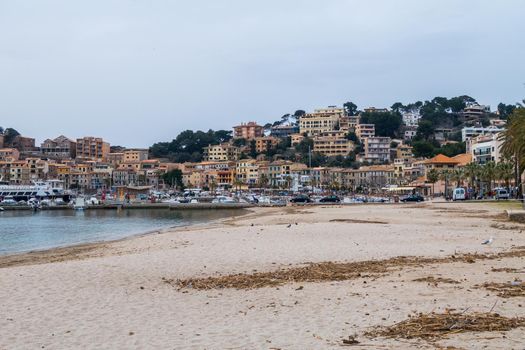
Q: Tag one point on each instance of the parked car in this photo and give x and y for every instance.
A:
(413, 198)
(330, 199)
(301, 199)
(501, 193)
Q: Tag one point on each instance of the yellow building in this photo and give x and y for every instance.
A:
(363, 131)
(247, 171)
(320, 121)
(264, 144)
(135, 155)
(404, 152)
(332, 146)
(222, 152)
(92, 148)
(296, 139)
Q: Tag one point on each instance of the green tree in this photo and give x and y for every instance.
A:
(9, 135)
(239, 142)
(425, 130)
(173, 178)
(423, 149)
(488, 174)
(433, 177)
(505, 172)
(386, 123)
(350, 108)
(513, 146)
(253, 149)
(472, 171)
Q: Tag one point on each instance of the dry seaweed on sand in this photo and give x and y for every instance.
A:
(507, 269)
(326, 271)
(434, 326)
(505, 290)
(436, 280)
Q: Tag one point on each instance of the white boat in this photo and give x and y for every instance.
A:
(224, 199)
(40, 189)
(80, 203)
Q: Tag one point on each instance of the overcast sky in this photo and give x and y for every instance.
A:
(137, 72)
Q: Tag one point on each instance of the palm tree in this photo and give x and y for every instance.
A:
(445, 176)
(513, 146)
(471, 171)
(433, 177)
(488, 173)
(505, 172)
(263, 180)
(457, 175)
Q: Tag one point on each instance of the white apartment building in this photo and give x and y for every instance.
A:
(377, 149)
(485, 148)
(470, 132)
(411, 118)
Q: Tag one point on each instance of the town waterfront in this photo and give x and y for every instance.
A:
(22, 231)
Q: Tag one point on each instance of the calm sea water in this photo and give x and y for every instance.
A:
(22, 231)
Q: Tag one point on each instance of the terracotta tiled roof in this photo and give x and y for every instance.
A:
(441, 159)
(463, 158)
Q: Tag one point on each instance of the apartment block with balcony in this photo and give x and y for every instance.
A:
(222, 152)
(485, 148)
(94, 148)
(264, 144)
(404, 152)
(9, 154)
(60, 147)
(135, 155)
(283, 130)
(24, 144)
(377, 149)
(248, 131)
(320, 121)
(332, 146)
(246, 171)
(411, 118)
(470, 132)
(363, 131)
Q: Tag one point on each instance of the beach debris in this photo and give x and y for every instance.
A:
(488, 241)
(329, 271)
(435, 326)
(300, 288)
(350, 341)
(436, 280)
(506, 269)
(358, 221)
(505, 290)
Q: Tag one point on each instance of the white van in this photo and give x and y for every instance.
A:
(459, 194)
(501, 193)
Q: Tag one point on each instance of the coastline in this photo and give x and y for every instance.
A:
(80, 250)
(125, 294)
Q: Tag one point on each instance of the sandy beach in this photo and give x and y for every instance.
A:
(128, 294)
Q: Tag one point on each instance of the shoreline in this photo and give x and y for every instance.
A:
(42, 256)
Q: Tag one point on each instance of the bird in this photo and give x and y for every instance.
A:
(289, 225)
(488, 241)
